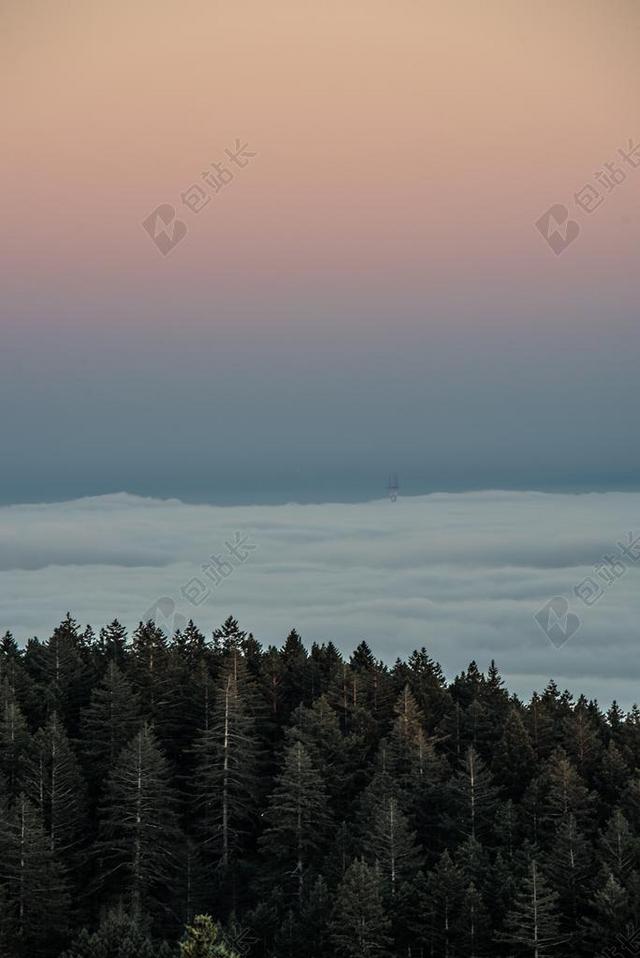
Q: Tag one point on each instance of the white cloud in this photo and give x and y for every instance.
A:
(462, 574)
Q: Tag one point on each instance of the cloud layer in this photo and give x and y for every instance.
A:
(462, 574)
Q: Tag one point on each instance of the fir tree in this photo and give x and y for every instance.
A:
(296, 818)
(619, 847)
(15, 741)
(360, 927)
(113, 643)
(118, 937)
(391, 844)
(202, 939)
(475, 924)
(446, 893)
(473, 795)
(532, 924)
(513, 761)
(566, 793)
(568, 867)
(55, 785)
(227, 755)
(110, 721)
(139, 833)
(36, 899)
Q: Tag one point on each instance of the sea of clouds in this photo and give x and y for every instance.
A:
(462, 574)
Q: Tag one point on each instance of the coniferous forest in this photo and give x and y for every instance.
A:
(199, 796)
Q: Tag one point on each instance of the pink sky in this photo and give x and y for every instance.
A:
(379, 253)
(399, 143)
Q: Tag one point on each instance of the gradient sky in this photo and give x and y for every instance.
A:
(369, 294)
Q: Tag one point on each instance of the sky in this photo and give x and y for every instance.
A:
(469, 576)
(368, 293)
(256, 257)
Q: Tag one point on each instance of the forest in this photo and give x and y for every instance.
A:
(188, 796)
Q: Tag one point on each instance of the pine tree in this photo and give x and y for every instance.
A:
(473, 862)
(428, 684)
(60, 672)
(151, 674)
(229, 636)
(507, 827)
(113, 643)
(15, 741)
(473, 796)
(417, 771)
(325, 662)
(318, 729)
(610, 776)
(55, 785)
(480, 729)
(227, 763)
(568, 866)
(532, 923)
(475, 924)
(540, 726)
(446, 893)
(13, 672)
(296, 817)
(513, 761)
(139, 833)
(391, 844)
(580, 738)
(110, 721)
(360, 927)
(202, 939)
(619, 848)
(630, 737)
(304, 931)
(35, 892)
(566, 793)
(609, 915)
(294, 689)
(118, 937)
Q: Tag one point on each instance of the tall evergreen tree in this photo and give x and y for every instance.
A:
(473, 795)
(117, 937)
(113, 643)
(139, 830)
(296, 818)
(56, 786)
(109, 722)
(391, 844)
(568, 867)
(15, 741)
(360, 927)
(513, 761)
(619, 848)
(226, 778)
(202, 939)
(532, 924)
(446, 894)
(36, 900)
(59, 670)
